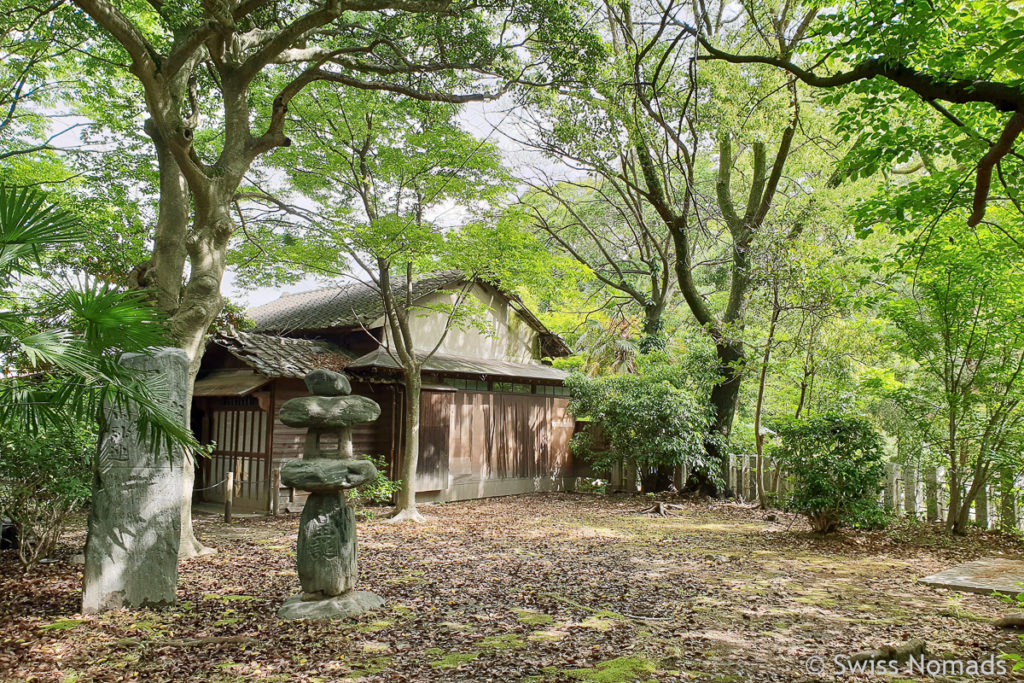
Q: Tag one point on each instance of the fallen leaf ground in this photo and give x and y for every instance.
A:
(543, 588)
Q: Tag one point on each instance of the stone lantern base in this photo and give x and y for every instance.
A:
(343, 606)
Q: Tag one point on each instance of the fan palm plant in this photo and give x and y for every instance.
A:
(60, 340)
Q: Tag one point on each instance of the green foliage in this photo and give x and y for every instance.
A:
(588, 485)
(44, 477)
(659, 417)
(624, 246)
(379, 491)
(837, 466)
(866, 513)
(929, 136)
(60, 341)
(956, 309)
(379, 169)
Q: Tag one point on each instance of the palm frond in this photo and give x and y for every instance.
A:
(29, 224)
(111, 318)
(70, 345)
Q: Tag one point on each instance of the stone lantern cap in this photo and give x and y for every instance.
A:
(327, 383)
(330, 406)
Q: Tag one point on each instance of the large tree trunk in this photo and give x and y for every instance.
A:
(658, 477)
(166, 267)
(201, 303)
(1007, 500)
(405, 508)
(192, 307)
(959, 518)
(955, 481)
(164, 275)
(653, 338)
(960, 499)
(724, 399)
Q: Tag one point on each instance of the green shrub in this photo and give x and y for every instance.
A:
(653, 419)
(44, 478)
(836, 463)
(380, 490)
(866, 513)
(591, 485)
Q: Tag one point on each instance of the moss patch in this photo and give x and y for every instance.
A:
(459, 627)
(618, 670)
(63, 625)
(455, 660)
(532, 618)
(410, 578)
(402, 611)
(374, 626)
(371, 667)
(962, 613)
(598, 622)
(547, 635)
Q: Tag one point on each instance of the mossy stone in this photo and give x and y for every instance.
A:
(329, 411)
(327, 383)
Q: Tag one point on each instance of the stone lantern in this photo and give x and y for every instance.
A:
(326, 553)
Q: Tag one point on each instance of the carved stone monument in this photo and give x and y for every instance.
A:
(131, 553)
(326, 553)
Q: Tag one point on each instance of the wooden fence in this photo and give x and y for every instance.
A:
(909, 491)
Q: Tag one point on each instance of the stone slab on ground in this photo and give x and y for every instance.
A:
(344, 606)
(985, 576)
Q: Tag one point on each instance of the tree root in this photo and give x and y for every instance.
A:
(408, 515)
(191, 546)
(1015, 620)
(660, 509)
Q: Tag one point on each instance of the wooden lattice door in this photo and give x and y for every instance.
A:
(239, 429)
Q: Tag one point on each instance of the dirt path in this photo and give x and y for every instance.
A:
(557, 587)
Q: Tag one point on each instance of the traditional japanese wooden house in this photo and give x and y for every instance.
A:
(494, 417)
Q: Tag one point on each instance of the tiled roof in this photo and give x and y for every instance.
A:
(274, 356)
(357, 304)
(461, 366)
(346, 306)
(229, 382)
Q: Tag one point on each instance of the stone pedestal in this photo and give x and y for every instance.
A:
(131, 554)
(344, 606)
(326, 549)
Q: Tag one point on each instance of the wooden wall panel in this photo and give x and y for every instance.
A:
(561, 430)
(287, 441)
(480, 436)
(508, 436)
(373, 438)
(491, 436)
(435, 432)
